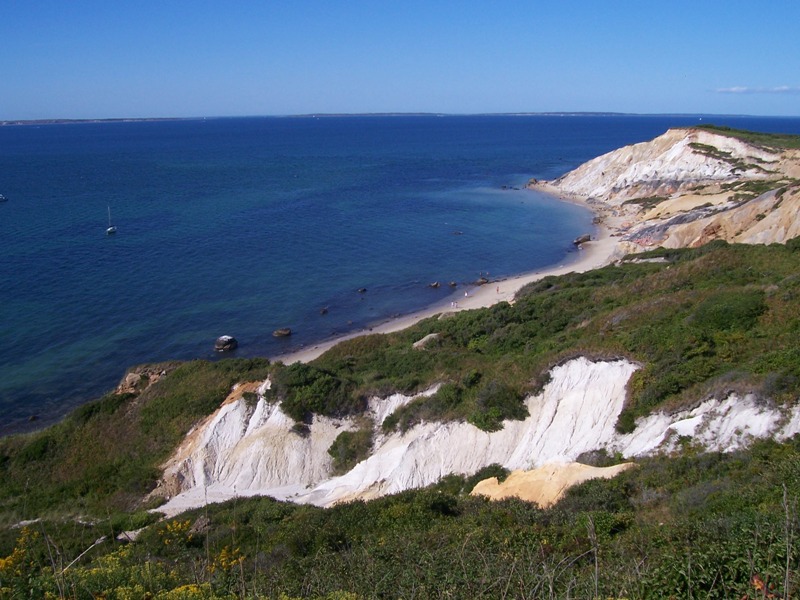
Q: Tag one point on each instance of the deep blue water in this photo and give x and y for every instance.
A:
(240, 226)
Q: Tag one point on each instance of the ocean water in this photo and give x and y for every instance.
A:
(241, 226)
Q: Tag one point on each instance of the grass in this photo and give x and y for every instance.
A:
(737, 164)
(104, 457)
(765, 140)
(648, 202)
(699, 525)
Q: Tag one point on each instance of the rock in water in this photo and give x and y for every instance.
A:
(586, 237)
(225, 343)
(282, 332)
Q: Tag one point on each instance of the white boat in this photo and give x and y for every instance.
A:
(111, 228)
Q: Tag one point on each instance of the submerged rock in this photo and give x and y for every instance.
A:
(282, 332)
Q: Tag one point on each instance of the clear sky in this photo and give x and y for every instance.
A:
(176, 58)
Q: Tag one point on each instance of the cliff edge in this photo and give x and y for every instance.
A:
(691, 186)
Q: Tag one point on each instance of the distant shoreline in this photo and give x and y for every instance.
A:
(323, 115)
(26, 122)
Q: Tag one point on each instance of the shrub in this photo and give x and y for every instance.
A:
(735, 309)
(305, 390)
(349, 448)
(496, 402)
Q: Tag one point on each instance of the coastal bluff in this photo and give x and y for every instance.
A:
(249, 448)
(685, 188)
(691, 186)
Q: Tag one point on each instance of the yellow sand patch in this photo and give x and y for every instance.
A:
(547, 484)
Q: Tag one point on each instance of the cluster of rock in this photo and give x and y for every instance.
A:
(139, 378)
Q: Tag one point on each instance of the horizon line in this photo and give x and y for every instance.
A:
(318, 115)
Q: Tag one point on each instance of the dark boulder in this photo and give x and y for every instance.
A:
(586, 237)
(225, 343)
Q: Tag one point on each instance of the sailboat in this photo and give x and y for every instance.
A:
(111, 228)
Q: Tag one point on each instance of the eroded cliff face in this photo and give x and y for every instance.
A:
(251, 448)
(676, 162)
(688, 187)
(685, 188)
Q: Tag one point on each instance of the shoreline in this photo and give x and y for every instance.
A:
(594, 254)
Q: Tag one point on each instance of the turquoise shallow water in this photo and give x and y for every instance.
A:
(241, 226)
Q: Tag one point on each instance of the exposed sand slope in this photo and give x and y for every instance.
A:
(546, 485)
(672, 163)
(250, 449)
(688, 187)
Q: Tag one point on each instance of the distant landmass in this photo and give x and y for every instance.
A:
(340, 115)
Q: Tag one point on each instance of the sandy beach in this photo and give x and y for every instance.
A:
(599, 252)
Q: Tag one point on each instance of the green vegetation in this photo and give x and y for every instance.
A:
(648, 202)
(350, 448)
(670, 317)
(736, 163)
(704, 322)
(747, 190)
(764, 140)
(694, 526)
(304, 390)
(716, 319)
(105, 456)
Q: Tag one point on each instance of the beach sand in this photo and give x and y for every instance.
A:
(592, 255)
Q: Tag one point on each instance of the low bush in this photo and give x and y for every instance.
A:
(349, 448)
(304, 390)
(703, 525)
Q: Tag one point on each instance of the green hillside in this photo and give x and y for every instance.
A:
(701, 322)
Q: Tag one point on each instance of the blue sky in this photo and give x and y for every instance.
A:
(105, 59)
